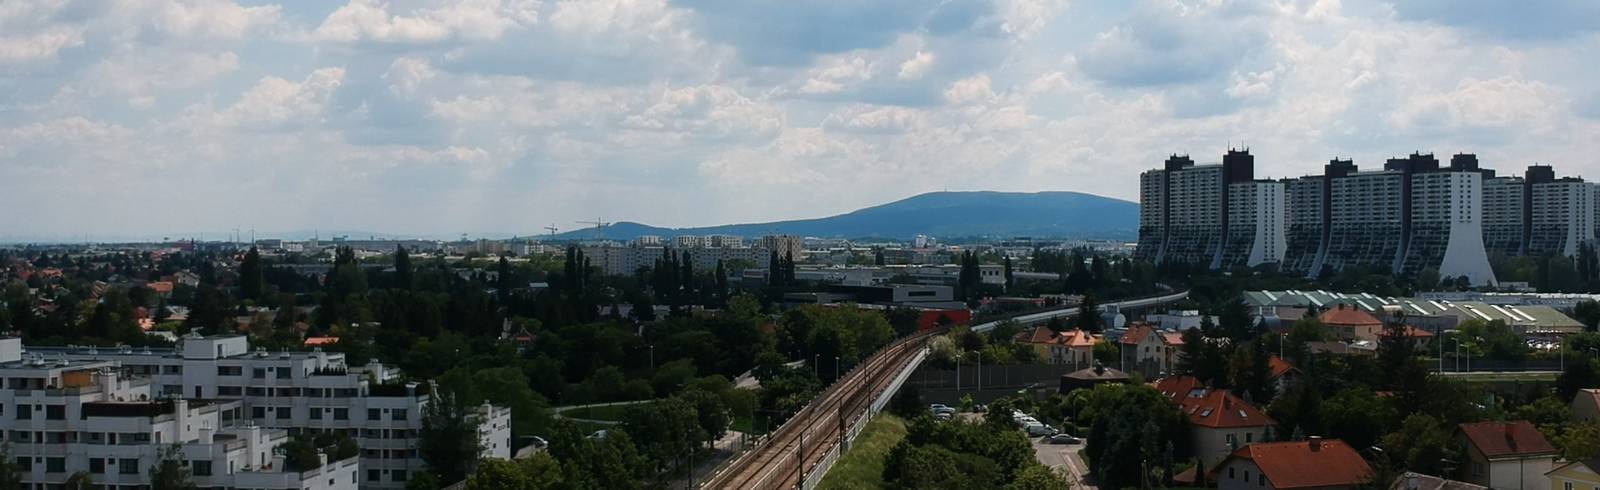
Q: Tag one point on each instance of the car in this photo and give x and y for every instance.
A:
(1038, 429)
(538, 442)
(935, 407)
(942, 416)
(980, 408)
(943, 410)
(1063, 439)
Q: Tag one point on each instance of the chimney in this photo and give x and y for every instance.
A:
(1315, 443)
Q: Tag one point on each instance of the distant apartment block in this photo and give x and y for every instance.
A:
(1215, 215)
(1410, 216)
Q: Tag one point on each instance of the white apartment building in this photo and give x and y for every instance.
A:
(301, 392)
(1365, 220)
(785, 245)
(1502, 215)
(724, 241)
(1561, 217)
(1304, 215)
(61, 416)
(1446, 231)
(688, 241)
(1256, 227)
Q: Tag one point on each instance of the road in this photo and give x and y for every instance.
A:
(1062, 458)
(1043, 316)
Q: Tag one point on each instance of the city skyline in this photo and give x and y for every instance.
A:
(414, 118)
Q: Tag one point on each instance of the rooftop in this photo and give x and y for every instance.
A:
(1305, 464)
(1513, 439)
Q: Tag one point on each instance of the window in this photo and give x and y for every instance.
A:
(202, 468)
(1261, 479)
(255, 391)
(284, 413)
(1566, 486)
(24, 412)
(398, 414)
(229, 391)
(258, 373)
(1230, 472)
(127, 466)
(229, 370)
(283, 373)
(1477, 469)
(1249, 437)
(97, 466)
(341, 414)
(55, 465)
(55, 412)
(1247, 476)
(399, 475)
(316, 413)
(258, 412)
(374, 475)
(374, 414)
(25, 463)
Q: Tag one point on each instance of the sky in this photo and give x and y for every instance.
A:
(182, 118)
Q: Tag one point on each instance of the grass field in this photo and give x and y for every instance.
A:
(862, 466)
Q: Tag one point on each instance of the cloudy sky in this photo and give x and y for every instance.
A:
(171, 118)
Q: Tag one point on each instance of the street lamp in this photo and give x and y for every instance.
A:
(835, 369)
(1458, 354)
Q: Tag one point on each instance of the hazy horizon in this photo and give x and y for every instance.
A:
(142, 118)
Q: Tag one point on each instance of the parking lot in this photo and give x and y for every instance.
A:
(1062, 458)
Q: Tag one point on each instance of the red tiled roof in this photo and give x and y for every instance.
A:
(160, 286)
(1220, 409)
(1506, 439)
(1279, 366)
(1136, 333)
(1172, 338)
(321, 340)
(1070, 338)
(1347, 316)
(1176, 388)
(1415, 332)
(1305, 464)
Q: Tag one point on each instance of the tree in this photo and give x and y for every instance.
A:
(1191, 354)
(1106, 353)
(1088, 318)
(1357, 416)
(10, 473)
(1395, 349)
(1010, 280)
(1038, 477)
(539, 472)
(403, 276)
(169, 472)
(1582, 372)
(1422, 444)
(448, 441)
(80, 480)
(710, 413)
(250, 276)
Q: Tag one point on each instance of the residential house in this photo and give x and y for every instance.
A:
(1418, 481)
(1149, 351)
(1506, 455)
(1284, 374)
(1586, 406)
(1314, 463)
(1074, 347)
(1350, 323)
(1576, 475)
(1219, 421)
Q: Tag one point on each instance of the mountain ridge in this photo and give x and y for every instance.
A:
(1058, 214)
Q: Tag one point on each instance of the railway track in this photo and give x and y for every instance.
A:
(782, 461)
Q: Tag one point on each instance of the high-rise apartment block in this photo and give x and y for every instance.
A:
(1217, 215)
(1411, 216)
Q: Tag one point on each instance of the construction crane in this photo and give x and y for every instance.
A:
(599, 227)
(552, 229)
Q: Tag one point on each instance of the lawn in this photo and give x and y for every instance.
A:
(758, 425)
(862, 466)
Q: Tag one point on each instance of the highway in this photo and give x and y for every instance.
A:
(1033, 318)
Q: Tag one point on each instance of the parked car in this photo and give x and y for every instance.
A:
(941, 409)
(942, 416)
(1038, 429)
(538, 442)
(1063, 439)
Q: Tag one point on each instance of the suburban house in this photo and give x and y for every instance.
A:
(1506, 455)
(1586, 406)
(1284, 374)
(1313, 463)
(1576, 475)
(1417, 481)
(1073, 347)
(1219, 422)
(1350, 323)
(1150, 352)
